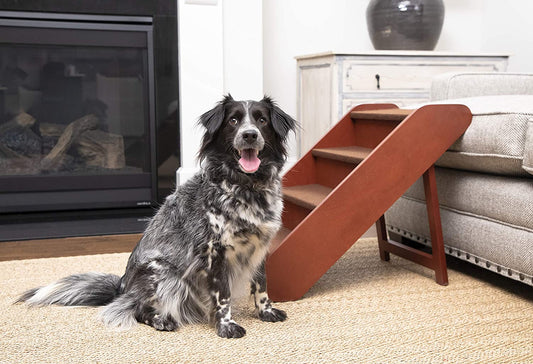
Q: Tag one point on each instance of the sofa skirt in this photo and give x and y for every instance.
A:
(472, 231)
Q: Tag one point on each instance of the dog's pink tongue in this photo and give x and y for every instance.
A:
(249, 161)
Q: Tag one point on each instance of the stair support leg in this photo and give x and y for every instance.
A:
(435, 226)
(437, 259)
(381, 230)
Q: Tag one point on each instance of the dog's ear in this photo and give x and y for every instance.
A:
(212, 119)
(281, 121)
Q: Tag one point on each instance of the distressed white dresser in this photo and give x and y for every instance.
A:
(330, 84)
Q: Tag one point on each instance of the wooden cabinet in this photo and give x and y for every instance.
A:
(330, 84)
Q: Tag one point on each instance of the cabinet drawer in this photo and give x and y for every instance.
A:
(400, 75)
(348, 104)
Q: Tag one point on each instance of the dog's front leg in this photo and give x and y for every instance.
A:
(219, 288)
(263, 304)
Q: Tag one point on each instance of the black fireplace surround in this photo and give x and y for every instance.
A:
(88, 115)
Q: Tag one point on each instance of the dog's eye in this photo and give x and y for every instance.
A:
(233, 121)
(263, 120)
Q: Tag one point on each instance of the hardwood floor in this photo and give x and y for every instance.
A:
(87, 245)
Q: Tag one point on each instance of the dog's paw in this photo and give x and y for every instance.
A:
(272, 315)
(230, 330)
(163, 323)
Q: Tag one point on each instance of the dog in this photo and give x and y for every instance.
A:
(208, 239)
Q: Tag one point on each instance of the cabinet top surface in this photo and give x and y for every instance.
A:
(401, 54)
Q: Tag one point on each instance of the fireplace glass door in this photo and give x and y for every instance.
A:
(76, 114)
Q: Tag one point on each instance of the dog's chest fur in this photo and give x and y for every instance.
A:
(243, 220)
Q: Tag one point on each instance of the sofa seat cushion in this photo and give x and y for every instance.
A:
(484, 215)
(500, 138)
(493, 246)
(504, 200)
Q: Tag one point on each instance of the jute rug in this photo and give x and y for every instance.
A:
(362, 311)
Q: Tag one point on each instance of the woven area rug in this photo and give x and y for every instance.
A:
(363, 310)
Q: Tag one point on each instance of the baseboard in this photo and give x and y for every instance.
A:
(63, 247)
(86, 245)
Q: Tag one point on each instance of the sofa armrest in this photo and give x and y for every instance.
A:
(458, 85)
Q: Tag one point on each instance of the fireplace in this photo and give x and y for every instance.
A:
(86, 147)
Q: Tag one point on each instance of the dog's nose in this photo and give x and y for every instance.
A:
(249, 136)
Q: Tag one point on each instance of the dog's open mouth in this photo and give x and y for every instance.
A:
(248, 160)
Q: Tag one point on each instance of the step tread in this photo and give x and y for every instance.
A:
(278, 239)
(386, 114)
(308, 196)
(351, 154)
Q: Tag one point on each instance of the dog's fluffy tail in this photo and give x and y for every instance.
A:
(88, 289)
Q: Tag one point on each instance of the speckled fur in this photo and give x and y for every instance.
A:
(209, 239)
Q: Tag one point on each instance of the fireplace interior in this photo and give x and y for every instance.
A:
(88, 118)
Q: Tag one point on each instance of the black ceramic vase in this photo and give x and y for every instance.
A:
(405, 24)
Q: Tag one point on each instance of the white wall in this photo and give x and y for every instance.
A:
(201, 74)
(247, 47)
(297, 27)
(220, 51)
(507, 27)
(490, 26)
(243, 49)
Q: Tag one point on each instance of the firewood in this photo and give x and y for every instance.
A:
(22, 119)
(70, 135)
(101, 149)
(8, 153)
(17, 136)
(53, 130)
(12, 162)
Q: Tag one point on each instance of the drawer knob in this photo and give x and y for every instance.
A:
(377, 79)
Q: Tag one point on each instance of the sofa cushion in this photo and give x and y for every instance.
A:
(495, 141)
(454, 85)
(485, 216)
(500, 248)
(505, 200)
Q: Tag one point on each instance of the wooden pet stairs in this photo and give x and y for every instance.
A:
(347, 182)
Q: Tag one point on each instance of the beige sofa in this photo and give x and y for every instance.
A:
(485, 179)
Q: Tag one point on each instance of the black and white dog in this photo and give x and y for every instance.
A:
(207, 240)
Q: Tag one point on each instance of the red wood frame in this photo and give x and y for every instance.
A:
(437, 259)
(402, 153)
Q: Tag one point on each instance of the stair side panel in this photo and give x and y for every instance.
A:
(355, 204)
(341, 134)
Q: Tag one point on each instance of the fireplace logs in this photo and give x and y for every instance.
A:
(101, 149)
(27, 147)
(54, 159)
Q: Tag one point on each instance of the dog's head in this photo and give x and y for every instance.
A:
(246, 136)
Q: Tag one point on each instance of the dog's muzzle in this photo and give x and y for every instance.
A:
(249, 143)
